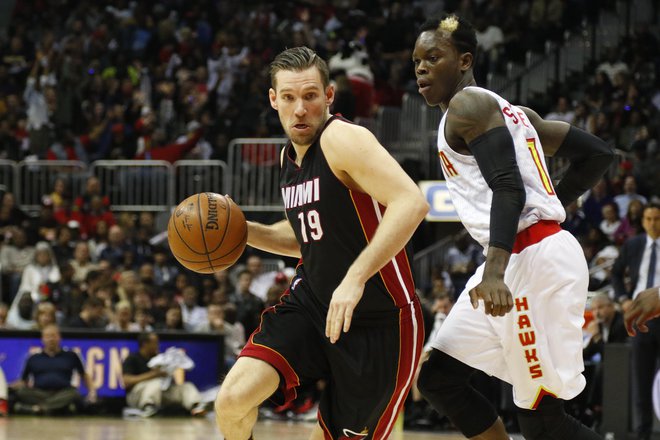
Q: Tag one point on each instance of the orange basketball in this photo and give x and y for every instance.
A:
(207, 232)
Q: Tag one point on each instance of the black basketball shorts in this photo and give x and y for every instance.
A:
(368, 371)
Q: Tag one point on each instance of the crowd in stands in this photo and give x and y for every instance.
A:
(115, 79)
(171, 79)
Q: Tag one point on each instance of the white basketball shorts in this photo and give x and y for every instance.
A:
(537, 347)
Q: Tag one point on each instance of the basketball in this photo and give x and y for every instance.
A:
(207, 232)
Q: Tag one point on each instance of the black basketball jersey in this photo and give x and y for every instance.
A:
(333, 224)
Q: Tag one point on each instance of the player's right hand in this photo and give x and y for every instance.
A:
(496, 296)
(646, 306)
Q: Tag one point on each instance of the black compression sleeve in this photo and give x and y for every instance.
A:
(590, 157)
(496, 157)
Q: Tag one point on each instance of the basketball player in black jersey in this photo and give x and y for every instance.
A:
(350, 316)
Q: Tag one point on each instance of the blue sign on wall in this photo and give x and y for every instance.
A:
(103, 356)
(437, 195)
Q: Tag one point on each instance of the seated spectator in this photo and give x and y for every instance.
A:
(59, 193)
(14, 258)
(144, 320)
(122, 320)
(629, 194)
(83, 203)
(21, 312)
(45, 315)
(117, 248)
(45, 225)
(576, 221)
(91, 315)
(45, 384)
(98, 212)
(610, 221)
(607, 327)
(82, 262)
(173, 319)
(144, 385)
(193, 314)
(462, 260)
(41, 271)
(11, 214)
(248, 305)
(234, 333)
(261, 281)
(593, 205)
(562, 112)
(631, 224)
(164, 271)
(63, 248)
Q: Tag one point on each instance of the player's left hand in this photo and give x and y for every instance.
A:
(645, 307)
(496, 296)
(340, 313)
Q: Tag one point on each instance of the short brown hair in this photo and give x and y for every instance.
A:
(299, 59)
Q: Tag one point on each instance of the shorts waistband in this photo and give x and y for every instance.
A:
(534, 234)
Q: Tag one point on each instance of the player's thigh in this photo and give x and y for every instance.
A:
(372, 372)
(471, 336)
(249, 382)
(544, 344)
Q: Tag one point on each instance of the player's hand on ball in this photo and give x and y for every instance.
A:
(340, 313)
(496, 296)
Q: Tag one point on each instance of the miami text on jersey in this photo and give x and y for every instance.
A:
(301, 193)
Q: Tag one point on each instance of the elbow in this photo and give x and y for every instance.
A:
(420, 209)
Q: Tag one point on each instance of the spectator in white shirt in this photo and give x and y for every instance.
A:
(193, 314)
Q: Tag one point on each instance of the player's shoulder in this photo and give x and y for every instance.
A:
(341, 133)
(472, 103)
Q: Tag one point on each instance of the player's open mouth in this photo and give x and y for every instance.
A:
(423, 85)
(301, 126)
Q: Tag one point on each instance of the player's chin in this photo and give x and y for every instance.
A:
(301, 139)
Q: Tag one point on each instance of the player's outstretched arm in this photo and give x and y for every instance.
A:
(362, 164)
(589, 155)
(277, 238)
(644, 307)
(475, 124)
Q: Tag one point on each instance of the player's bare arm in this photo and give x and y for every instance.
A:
(476, 126)
(277, 238)
(589, 155)
(645, 307)
(362, 164)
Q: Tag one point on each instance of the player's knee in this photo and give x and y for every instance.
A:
(442, 377)
(230, 402)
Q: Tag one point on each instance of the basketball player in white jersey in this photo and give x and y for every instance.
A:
(521, 314)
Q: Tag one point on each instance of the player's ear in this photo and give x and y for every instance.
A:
(466, 60)
(272, 96)
(329, 95)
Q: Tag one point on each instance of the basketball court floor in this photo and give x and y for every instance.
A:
(158, 428)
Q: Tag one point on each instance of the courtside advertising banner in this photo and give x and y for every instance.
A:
(102, 357)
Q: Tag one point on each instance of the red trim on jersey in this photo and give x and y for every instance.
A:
(542, 393)
(534, 234)
(272, 357)
(401, 294)
(408, 362)
(327, 435)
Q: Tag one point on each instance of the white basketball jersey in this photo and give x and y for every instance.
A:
(470, 193)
